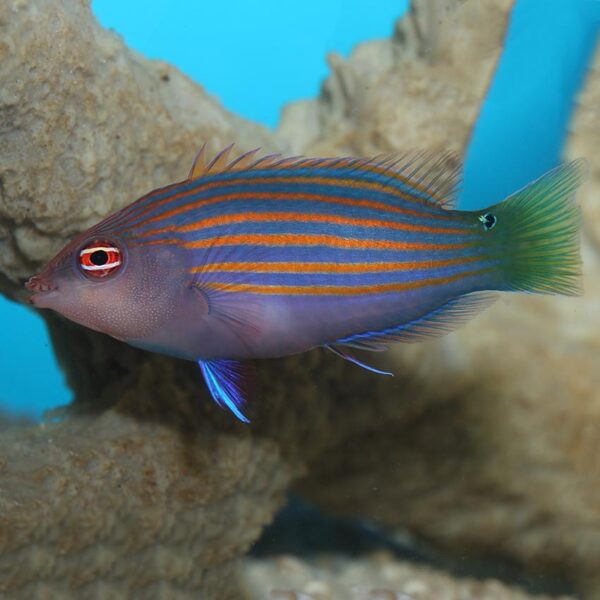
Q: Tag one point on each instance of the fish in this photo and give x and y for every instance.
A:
(265, 256)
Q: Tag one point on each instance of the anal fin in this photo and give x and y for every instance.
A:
(355, 361)
(228, 382)
(436, 323)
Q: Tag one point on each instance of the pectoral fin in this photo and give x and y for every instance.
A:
(228, 382)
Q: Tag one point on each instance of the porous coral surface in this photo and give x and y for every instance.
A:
(483, 444)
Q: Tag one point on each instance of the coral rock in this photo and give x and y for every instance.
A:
(484, 444)
(87, 126)
(108, 507)
(375, 578)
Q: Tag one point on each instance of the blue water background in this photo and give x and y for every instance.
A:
(257, 56)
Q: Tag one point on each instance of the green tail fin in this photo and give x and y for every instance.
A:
(539, 229)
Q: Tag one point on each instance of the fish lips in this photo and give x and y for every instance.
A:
(42, 290)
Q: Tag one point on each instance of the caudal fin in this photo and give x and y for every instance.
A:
(539, 230)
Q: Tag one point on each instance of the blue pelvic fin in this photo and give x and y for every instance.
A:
(228, 382)
(355, 361)
(438, 322)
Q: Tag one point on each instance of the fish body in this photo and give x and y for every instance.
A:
(267, 257)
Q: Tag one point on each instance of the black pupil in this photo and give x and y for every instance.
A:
(99, 258)
(489, 220)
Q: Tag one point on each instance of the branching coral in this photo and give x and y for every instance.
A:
(144, 486)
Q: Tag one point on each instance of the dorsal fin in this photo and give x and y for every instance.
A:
(199, 163)
(220, 163)
(216, 165)
(435, 174)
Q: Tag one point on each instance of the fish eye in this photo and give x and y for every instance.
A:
(488, 221)
(100, 258)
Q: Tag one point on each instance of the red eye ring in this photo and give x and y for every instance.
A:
(100, 258)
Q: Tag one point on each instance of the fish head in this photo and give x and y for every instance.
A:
(103, 283)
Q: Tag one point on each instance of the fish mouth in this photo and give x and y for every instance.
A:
(39, 286)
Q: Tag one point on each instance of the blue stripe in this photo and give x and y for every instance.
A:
(231, 185)
(318, 254)
(303, 228)
(343, 279)
(309, 207)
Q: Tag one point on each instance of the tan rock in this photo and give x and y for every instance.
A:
(496, 458)
(419, 90)
(379, 577)
(495, 453)
(111, 507)
(484, 444)
(108, 506)
(87, 126)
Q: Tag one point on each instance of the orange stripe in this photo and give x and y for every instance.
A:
(316, 268)
(354, 183)
(270, 217)
(296, 196)
(339, 289)
(304, 240)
